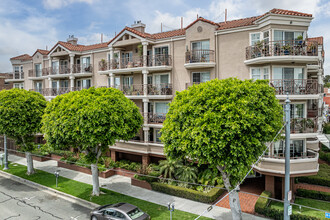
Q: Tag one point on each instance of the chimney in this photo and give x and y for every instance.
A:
(72, 40)
(226, 16)
(139, 26)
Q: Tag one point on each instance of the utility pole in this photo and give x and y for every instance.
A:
(287, 160)
(6, 152)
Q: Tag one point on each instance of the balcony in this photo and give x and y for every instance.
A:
(155, 118)
(199, 59)
(82, 68)
(17, 77)
(163, 89)
(304, 125)
(56, 91)
(282, 51)
(304, 165)
(296, 86)
(35, 73)
(135, 63)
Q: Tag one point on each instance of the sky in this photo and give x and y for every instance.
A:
(27, 25)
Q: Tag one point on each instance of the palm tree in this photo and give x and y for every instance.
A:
(209, 177)
(187, 174)
(168, 167)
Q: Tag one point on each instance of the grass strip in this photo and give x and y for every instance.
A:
(83, 191)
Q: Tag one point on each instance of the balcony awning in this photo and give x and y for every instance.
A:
(324, 139)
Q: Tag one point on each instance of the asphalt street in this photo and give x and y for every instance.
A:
(20, 201)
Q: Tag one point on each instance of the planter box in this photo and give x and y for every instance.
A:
(123, 172)
(37, 158)
(103, 174)
(55, 157)
(140, 183)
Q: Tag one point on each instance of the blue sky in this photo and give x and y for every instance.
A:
(26, 25)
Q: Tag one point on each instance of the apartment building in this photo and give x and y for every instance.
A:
(149, 68)
(3, 83)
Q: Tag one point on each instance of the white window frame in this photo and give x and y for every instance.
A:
(287, 66)
(262, 72)
(81, 83)
(288, 30)
(293, 139)
(159, 74)
(192, 75)
(20, 85)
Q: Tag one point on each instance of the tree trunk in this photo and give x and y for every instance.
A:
(29, 161)
(235, 206)
(95, 177)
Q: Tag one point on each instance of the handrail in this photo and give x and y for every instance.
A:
(282, 48)
(196, 56)
(295, 86)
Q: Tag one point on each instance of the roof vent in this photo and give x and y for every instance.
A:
(139, 26)
(72, 40)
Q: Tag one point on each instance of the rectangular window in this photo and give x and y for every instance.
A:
(260, 73)
(84, 83)
(161, 108)
(37, 68)
(128, 80)
(161, 79)
(161, 50)
(200, 77)
(38, 87)
(19, 85)
(288, 73)
(200, 51)
(296, 148)
(288, 36)
(64, 83)
(255, 37)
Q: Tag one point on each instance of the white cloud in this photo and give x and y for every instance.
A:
(57, 4)
(93, 38)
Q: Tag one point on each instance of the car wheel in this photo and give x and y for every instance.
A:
(93, 218)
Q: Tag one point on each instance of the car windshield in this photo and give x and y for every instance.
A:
(135, 213)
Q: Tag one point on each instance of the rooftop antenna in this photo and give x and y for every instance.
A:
(226, 16)
(46, 47)
(181, 23)
(161, 27)
(101, 37)
(197, 16)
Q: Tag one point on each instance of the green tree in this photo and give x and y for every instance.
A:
(91, 121)
(225, 124)
(20, 117)
(168, 167)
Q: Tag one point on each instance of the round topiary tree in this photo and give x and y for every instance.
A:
(91, 120)
(225, 124)
(20, 117)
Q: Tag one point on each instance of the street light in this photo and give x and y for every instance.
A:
(57, 174)
(170, 207)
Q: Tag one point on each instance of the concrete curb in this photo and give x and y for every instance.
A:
(68, 197)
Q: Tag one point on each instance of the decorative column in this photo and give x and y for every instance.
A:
(72, 83)
(50, 80)
(145, 49)
(111, 61)
(112, 80)
(145, 110)
(320, 104)
(71, 63)
(145, 82)
(146, 134)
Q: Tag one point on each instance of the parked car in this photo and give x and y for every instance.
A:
(119, 211)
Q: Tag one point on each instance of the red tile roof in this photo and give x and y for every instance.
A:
(22, 57)
(237, 23)
(168, 34)
(80, 47)
(319, 40)
(201, 19)
(287, 12)
(43, 52)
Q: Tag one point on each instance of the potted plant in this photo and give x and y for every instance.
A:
(300, 39)
(103, 65)
(311, 49)
(287, 49)
(140, 49)
(258, 46)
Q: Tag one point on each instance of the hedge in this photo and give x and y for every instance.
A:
(322, 178)
(325, 156)
(278, 215)
(191, 194)
(313, 194)
(263, 208)
(262, 202)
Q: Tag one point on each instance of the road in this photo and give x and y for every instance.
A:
(22, 202)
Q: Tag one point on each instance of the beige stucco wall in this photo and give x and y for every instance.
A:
(99, 80)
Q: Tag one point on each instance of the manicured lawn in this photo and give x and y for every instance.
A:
(83, 191)
(323, 205)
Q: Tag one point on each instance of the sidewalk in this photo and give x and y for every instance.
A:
(122, 185)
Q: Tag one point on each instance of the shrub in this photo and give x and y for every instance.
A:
(326, 128)
(262, 202)
(278, 215)
(325, 156)
(207, 197)
(313, 194)
(322, 178)
(150, 178)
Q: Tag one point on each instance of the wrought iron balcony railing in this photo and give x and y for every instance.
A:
(295, 86)
(303, 125)
(57, 91)
(197, 56)
(155, 118)
(82, 68)
(160, 89)
(282, 48)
